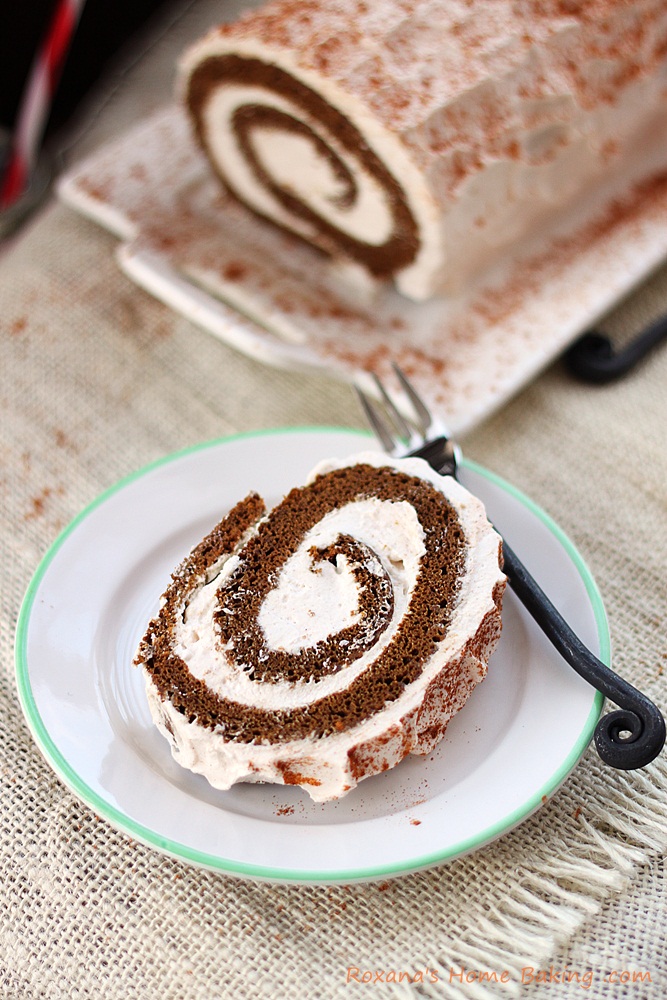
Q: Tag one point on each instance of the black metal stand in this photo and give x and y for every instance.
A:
(592, 358)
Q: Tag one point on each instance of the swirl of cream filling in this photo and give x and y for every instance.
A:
(399, 549)
(294, 159)
(322, 642)
(335, 604)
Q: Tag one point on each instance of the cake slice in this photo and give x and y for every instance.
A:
(321, 642)
(429, 141)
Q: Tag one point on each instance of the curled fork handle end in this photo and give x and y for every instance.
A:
(628, 738)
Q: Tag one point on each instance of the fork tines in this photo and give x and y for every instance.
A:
(395, 430)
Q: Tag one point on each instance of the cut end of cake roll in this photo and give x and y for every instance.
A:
(433, 143)
(322, 642)
(301, 150)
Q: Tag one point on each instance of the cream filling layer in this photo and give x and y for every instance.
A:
(295, 164)
(292, 617)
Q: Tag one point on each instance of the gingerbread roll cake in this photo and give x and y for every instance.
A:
(322, 642)
(422, 139)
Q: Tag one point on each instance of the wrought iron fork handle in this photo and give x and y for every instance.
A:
(627, 738)
(637, 716)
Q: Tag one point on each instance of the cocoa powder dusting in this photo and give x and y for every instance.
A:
(493, 306)
(18, 326)
(234, 271)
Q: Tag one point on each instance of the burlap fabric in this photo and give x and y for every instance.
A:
(98, 379)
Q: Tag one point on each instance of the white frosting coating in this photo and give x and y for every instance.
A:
(394, 532)
(502, 124)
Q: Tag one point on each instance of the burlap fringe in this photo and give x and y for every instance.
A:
(552, 899)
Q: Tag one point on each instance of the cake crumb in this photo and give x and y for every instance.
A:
(38, 503)
(235, 271)
(18, 326)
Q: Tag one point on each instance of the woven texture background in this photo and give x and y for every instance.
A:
(97, 380)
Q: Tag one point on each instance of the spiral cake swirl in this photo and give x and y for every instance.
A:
(424, 140)
(321, 642)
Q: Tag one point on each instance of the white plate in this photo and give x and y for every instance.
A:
(516, 740)
(268, 294)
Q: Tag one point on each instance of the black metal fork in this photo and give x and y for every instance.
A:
(627, 738)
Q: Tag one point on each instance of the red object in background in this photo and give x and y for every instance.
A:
(58, 40)
(37, 99)
(13, 182)
(24, 27)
